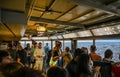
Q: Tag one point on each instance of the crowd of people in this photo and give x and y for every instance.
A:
(39, 61)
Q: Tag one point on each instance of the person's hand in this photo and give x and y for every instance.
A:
(39, 56)
(96, 68)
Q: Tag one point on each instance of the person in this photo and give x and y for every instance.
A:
(10, 68)
(39, 54)
(21, 54)
(56, 58)
(46, 49)
(5, 57)
(95, 57)
(67, 56)
(28, 54)
(72, 65)
(83, 66)
(116, 69)
(12, 52)
(57, 71)
(34, 46)
(106, 69)
(85, 50)
(27, 72)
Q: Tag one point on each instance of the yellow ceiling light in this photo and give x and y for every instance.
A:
(41, 29)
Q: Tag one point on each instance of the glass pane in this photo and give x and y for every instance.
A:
(84, 43)
(59, 37)
(114, 45)
(67, 44)
(30, 42)
(22, 44)
(49, 44)
(84, 33)
(107, 30)
(53, 37)
(40, 38)
(70, 35)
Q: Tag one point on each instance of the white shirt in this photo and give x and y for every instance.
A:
(39, 52)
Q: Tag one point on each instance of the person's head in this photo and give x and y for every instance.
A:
(19, 46)
(46, 44)
(67, 49)
(27, 72)
(40, 45)
(83, 64)
(77, 53)
(85, 50)
(28, 45)
(108, 54)
(5, 57)
(34, 45)
(59, 44)
(9, 69)
(9, 46)
(56, 72)
(92, 48)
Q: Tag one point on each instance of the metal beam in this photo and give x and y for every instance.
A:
(97, 5)
(55, 22)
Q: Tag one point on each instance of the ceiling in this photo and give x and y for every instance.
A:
(19, 17)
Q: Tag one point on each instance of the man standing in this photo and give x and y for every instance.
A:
(46, 49)
(39, 54)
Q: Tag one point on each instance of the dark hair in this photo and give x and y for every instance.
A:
(9, 69)
(85, 48)
(56, 72)
(93, 47)
(83, 67)
(3, 54)
(27, 72)
(10, 45)
(67, 49)
(78, 52)
(108, 53)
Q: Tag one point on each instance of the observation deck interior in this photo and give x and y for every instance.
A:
(62, 19)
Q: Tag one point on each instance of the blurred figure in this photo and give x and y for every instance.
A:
(28, 54)
(83, 66)
(27, 72)
(85, 50)
(21, 55)
(46, 49)
(5, 57)
(9, 69)
(39, 54)
(12, 51)
(93, 55)
(56, 58)
(106, 69)
(33, 59)
(116, 69)
(57, 72)
(67, 56)
(72, 65)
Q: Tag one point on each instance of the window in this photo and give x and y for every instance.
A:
(67, 44)
(84, 43)
(114, 45)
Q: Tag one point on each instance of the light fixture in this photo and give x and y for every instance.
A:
(41, 29)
